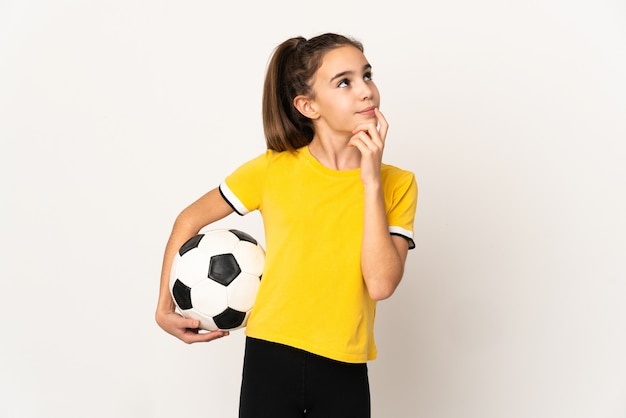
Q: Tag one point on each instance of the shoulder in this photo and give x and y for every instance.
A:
(399, 184)
(259, 161)
(269, 160)
(395, 175)
(281, 160)
(272, 156)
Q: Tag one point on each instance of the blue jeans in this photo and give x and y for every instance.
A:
(284, 382)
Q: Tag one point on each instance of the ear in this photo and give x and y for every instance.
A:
(306, 106)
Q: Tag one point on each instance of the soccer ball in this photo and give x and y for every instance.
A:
(215, 277)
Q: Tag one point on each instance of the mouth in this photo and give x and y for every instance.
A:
(367, 111)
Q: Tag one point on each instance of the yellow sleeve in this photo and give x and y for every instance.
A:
(243, 188)
(402, 205)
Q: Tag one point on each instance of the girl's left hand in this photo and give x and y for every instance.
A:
(369, 138)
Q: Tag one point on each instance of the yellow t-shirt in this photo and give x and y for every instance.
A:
(312, 294)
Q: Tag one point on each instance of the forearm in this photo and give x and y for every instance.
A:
(382, 262)
(181, 232)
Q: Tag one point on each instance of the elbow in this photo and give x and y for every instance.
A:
(380, 294)
(382, 282)
(383, 289)
(185, 221)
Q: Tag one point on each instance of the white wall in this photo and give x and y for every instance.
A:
(115, 115)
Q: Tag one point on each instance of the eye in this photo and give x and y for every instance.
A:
(344, 83)
(367, 76)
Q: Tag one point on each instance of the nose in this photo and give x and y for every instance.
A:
(366, 91)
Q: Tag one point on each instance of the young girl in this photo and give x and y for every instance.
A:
(338, 225)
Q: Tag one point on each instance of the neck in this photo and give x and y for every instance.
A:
(334, 155)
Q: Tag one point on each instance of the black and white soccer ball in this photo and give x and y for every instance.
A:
(215, 278)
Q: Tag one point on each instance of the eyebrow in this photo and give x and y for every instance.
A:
(345, 73)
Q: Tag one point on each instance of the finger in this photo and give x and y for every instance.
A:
(371, 130)
(363, 142)
(206, 336)
(382, 122)
(190, 323)
(196, 335)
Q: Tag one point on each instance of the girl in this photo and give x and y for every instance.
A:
(338, 226)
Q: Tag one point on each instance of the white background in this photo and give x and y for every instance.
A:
(114, 115)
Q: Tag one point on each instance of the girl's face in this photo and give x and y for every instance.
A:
(344, 94)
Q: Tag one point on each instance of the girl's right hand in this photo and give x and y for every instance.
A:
(186, 329)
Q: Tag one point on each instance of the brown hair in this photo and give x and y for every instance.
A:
(290, 70)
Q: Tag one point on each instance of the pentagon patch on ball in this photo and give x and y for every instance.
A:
(215, 277)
